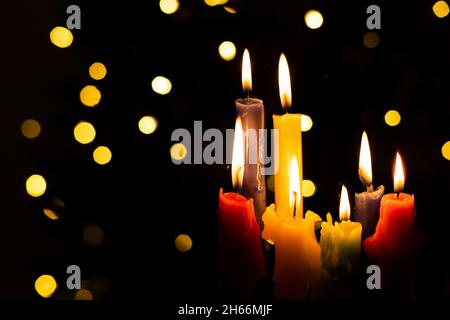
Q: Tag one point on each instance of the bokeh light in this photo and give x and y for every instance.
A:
(84, 132)
(102, 155)
(308, 188)
(169, 6)
(183, 243)
(93, 235)
(446, 150)
(371, 40)
(30, 128)
(306, 123)
(83, 294)
(61, 37)
(148, 124)
(227, 50)
(178, 151)
(90, 96)
(161, 85)
(230, 10)
(392, 118)
(441, 9)
(313, 19)
(213, 3)
(45, 285)
(97, 71)
(36, 185)
(51, 214)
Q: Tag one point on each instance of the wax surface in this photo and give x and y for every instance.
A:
(367, 208)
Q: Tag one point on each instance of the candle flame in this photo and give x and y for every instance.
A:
(237, 164)
(284, 83)
(246, 72)
(365, 162)
(344, 205)
(294, 187)
(399, 174)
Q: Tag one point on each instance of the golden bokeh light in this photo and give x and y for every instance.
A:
(148, 124)
(90, 96)
(161, 85)
(306, 123)
(169, 6)
(371, 40)
(61, 37)
(183, 243)
(227, 50)
(36, 185)
(51, 214)
(97, 71)
(30, 128)
(313, 19)
(230, 10)
(441, 9)
(308, 188)
(84, 132)
(392, 118)
(45, 285)
(178, 151)
(446, 150)
(102, 155)
(213, 3)
(93, 235)
(83, 294)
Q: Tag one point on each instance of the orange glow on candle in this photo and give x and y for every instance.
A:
(365, 162)
(284, 83)
(237, 164)
(246, 72)
(344, 205)
(399, 174)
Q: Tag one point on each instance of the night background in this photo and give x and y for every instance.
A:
(119, 221)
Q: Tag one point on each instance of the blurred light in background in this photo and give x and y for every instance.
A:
(446, 150)
(313, 19)
(90, 96)
(230, 10)
(45, 285)
(306, 122)
(83, 294)
(169, 6)
(161, 85)
(97, 71)
(371, 40)
(49, 213)
(308, 188)
(61, 37)
(36, 185)
(183, 243)
(84, 132)
(227, 50)
(441, 9)
(213, 3)
(30, 128)
(147, 124)
(102, 155)
(392, 118)
(93, 235)
(178, 151)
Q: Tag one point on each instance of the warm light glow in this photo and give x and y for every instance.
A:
(49, 213)
(102, 155)
(246, 72)
(36, 185)
(213, 3)
(97, 71)
(61, 37)
(344, 205)
(93, 235)
(148, 124)
(183, 243)
(308, 188)
(83, 294)
(306, 123)
(284, 83)
(237, 165)
(446, 150)
(84, 132)
(230, 10)
(169, 6)
(392, 118)
(227, 50)
(45, 285)
(30, 128)
(371, 40)
(178, 151)
(399, 174)
(441, 9)
(365, 161)
(313, 19)
(90, 96)
(161, 85)
(294, 188)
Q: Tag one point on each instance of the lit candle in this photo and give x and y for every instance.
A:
(240, 255)
(251, 112)
(367, 204)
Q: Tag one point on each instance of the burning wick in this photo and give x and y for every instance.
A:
(295, 202)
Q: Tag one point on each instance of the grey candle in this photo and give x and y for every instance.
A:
(251, 112)
(367, 204)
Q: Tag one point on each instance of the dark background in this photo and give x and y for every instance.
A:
(147, 201)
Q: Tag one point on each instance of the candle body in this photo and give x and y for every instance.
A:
(289, 146)
(251, 112)
(240, 255)
(367, 208)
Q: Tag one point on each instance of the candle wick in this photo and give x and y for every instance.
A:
(398, 194)
(369, 187)
(295, 202)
